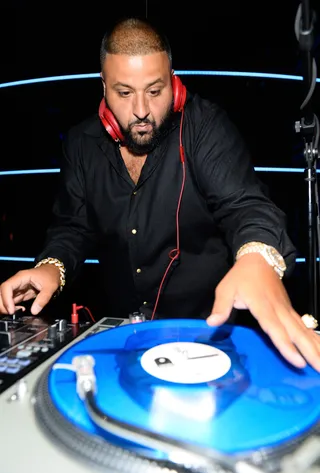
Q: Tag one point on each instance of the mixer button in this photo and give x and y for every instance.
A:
(12, 361)
(24, 362)
(23, 354)
(12, 369)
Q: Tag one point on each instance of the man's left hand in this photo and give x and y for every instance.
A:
(254, 285)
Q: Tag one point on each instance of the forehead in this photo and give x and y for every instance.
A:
(125, 68)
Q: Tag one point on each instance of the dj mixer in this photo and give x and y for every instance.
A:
(26, 341)
(28, 345)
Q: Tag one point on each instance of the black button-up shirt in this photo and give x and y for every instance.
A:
(131, 228)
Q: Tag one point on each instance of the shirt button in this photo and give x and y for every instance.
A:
(134, 193)
(134, 231)
(138, 270)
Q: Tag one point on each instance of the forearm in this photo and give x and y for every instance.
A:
(239, 204)
(69, 245)
(71, 235)
(258, 221)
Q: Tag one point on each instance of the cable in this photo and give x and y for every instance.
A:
(75, 313)
(89, 312)
(175, 253)
(314, 64)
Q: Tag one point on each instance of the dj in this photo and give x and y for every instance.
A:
(161, 185)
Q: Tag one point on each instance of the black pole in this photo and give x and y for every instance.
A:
(306, 39)
(308, 127)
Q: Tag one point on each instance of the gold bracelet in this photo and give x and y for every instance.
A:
(59, 265)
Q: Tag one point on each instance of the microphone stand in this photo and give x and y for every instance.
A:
(308, 126)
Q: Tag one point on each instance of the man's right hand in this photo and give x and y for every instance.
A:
(36, 283)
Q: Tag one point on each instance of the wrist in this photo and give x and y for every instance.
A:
(270, 254)
(60, 268)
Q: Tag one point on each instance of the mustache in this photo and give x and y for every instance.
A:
(144, 121)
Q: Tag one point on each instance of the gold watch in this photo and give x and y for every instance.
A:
(270, 254)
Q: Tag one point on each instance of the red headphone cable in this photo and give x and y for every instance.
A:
(174, 254)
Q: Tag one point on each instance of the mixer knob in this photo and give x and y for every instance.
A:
(137, 317)
(52, 332)
(62, 325)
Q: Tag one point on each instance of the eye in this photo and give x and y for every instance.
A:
(154, 92)
(124, 93)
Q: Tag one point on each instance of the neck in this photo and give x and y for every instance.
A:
(126, 153)
(133, 163)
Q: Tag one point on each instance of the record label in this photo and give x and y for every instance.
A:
(186, 362)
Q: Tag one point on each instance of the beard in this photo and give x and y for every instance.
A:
(141, 142)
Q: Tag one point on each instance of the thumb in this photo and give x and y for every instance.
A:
(222, 307)
(40, 301)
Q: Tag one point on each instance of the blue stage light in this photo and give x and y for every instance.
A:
(96, 75)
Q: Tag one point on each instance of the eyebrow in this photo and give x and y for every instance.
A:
(122, 84)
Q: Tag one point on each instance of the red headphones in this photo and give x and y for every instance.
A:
(110, 122)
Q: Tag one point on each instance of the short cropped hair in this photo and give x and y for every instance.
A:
(134, 37)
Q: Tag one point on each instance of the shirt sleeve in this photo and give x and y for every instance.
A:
(234, 194)
(70, 237)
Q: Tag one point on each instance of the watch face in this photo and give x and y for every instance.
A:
(277, 258)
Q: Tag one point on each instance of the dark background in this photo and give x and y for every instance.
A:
(42, 39)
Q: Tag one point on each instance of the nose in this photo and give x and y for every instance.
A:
(141, 107)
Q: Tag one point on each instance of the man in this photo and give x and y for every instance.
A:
(161, 184)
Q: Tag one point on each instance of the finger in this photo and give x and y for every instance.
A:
(41, 301)
(21, 298)
(272, 326)
(30, 294)
(222, 307)
(306, 339)
(15, 284)
(20, 307)
(3, 309)
(8, 306)
(239, 304)
(307, 342)
(271, 320)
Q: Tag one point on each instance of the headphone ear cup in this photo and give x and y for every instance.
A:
(179, 93)
(110, 122)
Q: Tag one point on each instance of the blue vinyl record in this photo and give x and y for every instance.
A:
(225, 388)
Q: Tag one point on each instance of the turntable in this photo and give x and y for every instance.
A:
(170, 396)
